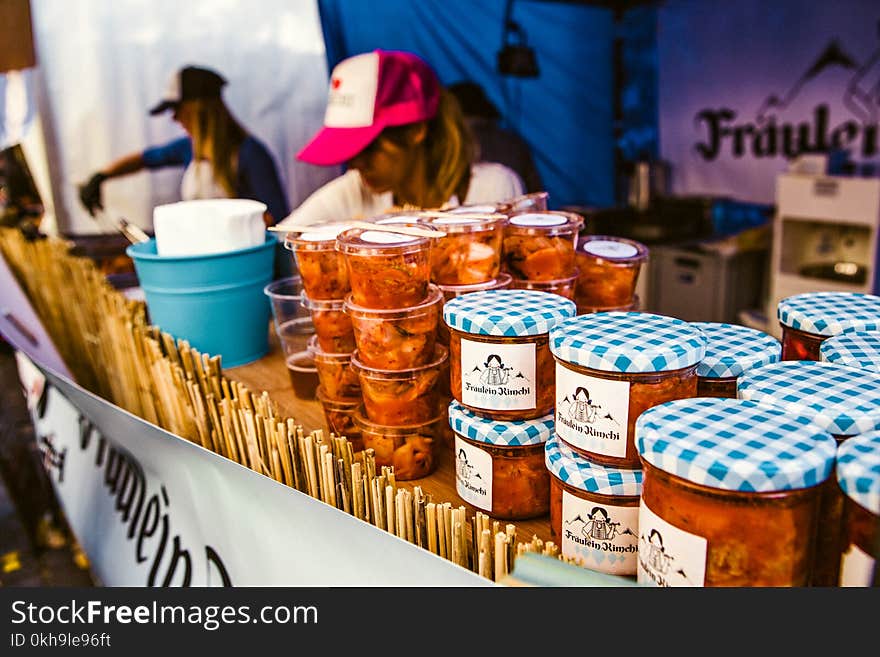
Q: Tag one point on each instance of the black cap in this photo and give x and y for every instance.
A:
(190, 83)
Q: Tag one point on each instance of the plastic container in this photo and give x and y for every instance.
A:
(471, 250)
(385, 269)
(482, 208)
(286, 300)
(303, 374)
(191, 297)
(502, 282)
(411, 450)
(339, 414)
(731, 349)
(809, 319)
(608, 270)
(564, 287)
(331, 323)
(853, 349)
(634, 306)
(534, 202)
(594, 511)
(611, 367)
(858, 475)
(841, 400)
(539, 246)
(499, 466)
(396, 338)
(338, 380)
(730, 494)
(499, 359)
(322, 268)
(401, 397)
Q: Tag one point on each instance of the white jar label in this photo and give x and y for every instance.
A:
(538, 219)
(669, 556)
(473, 475)
(383, 237)
(592, 413)
(856, 567)
(600, 537)
(498, 377)
(610, 249)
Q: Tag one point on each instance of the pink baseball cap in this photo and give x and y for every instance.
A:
(368, 93)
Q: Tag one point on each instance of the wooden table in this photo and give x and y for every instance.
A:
(270, 374)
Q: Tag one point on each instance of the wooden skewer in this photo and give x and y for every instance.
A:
(500, 556)
(415, 231)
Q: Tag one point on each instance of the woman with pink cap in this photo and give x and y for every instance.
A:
(404, 141)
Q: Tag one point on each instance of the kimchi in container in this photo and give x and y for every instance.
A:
(564, 287)
(499, 466)
(470, 252)
(633, 306)
(608, 270)
(610, 367)
(731, 493)
(853, 349)
(841, 400)
(502, 282)
(332, 325)
(809, 319)
(594, 510)
(338, 380)
(411, 449)
(731, 349)
(858, 475)
(321, 267)
(339, 414)
(499, 359)
(539, 246)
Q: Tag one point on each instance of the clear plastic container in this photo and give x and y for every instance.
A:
(499, 466)
(594, 511)
(303, 374)
(411, 450)
(540, 246)
(502, 282)
(564, 287)
(730, 495)
(338, 380)
(608, 270)
(396, 338)
(470, 252)
(500, 361)
(808, 319)
(731, 350)
(858, 476)
(332, 325)
(634, 306)
(386, 269)
(534, 202)
(339, 414)
(401, 397)
(321, 267)
(482, 208)
(611, 367)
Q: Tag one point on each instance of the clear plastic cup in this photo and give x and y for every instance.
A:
(609, 269)
(470, 252)
(286, 295)
(332, 325)
(402, 397)
(339, 414)
(338, 380)
(322, 269)
(534, 202)
(303, 374)
(396, 338)
(412, 450)
(564, 287)
(539, 246)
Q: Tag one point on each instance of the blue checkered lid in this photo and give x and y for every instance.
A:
(844, 401)
(853, 349)
(572, 468)
(830, 313)
(518, 433)
(629, 342)
(734, 444)
(858, 470)
(508, 313)
(732, 349)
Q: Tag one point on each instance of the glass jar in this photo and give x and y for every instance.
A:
(853, 349)
(321, 267)
(731, 350)
(499, 356)
(611, 367)
(331, 324)
(809, 319)
(338, 380)
(411, 450)
(730, 494)
(339, 414)
(396, 338)
(401, 397)
(539, 246)
(470, 252)
(594, 510)
(499, 466)
(858, 475)
(609, 270)
(564, 287)
(386, 269)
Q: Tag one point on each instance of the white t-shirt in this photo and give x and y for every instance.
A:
(347, 197)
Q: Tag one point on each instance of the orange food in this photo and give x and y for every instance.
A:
(410, 450)
(334, 330)
(339, 415)
(608, 270)
(323, 273)
(469, 253)
(800, 345)
(538, 258)
(564, 287)
(338, 380)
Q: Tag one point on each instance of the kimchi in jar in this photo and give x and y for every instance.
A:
(808, 319)
(499, 356)
(470, 251)
(730, 494)
(731, 350)
(539, 246)
(611, 367)
(853, 349)
(858, 475)
(338, 380)
(499, 466)
(594, 510)
(608, 270)
(332, 325)
(321, 267)
(410, 449)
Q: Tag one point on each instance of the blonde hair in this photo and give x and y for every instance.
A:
(217, 137)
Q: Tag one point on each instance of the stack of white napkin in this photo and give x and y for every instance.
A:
(203, 227)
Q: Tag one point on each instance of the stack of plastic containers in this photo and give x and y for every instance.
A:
(608, 270)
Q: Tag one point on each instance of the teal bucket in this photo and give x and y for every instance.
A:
(215, 302)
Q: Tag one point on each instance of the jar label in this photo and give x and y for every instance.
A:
(538, 219)
(610, 249)
(599, 536)
(856, 567)
(473, 474)
(592, 413)
(498, 377)
(669, 556)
